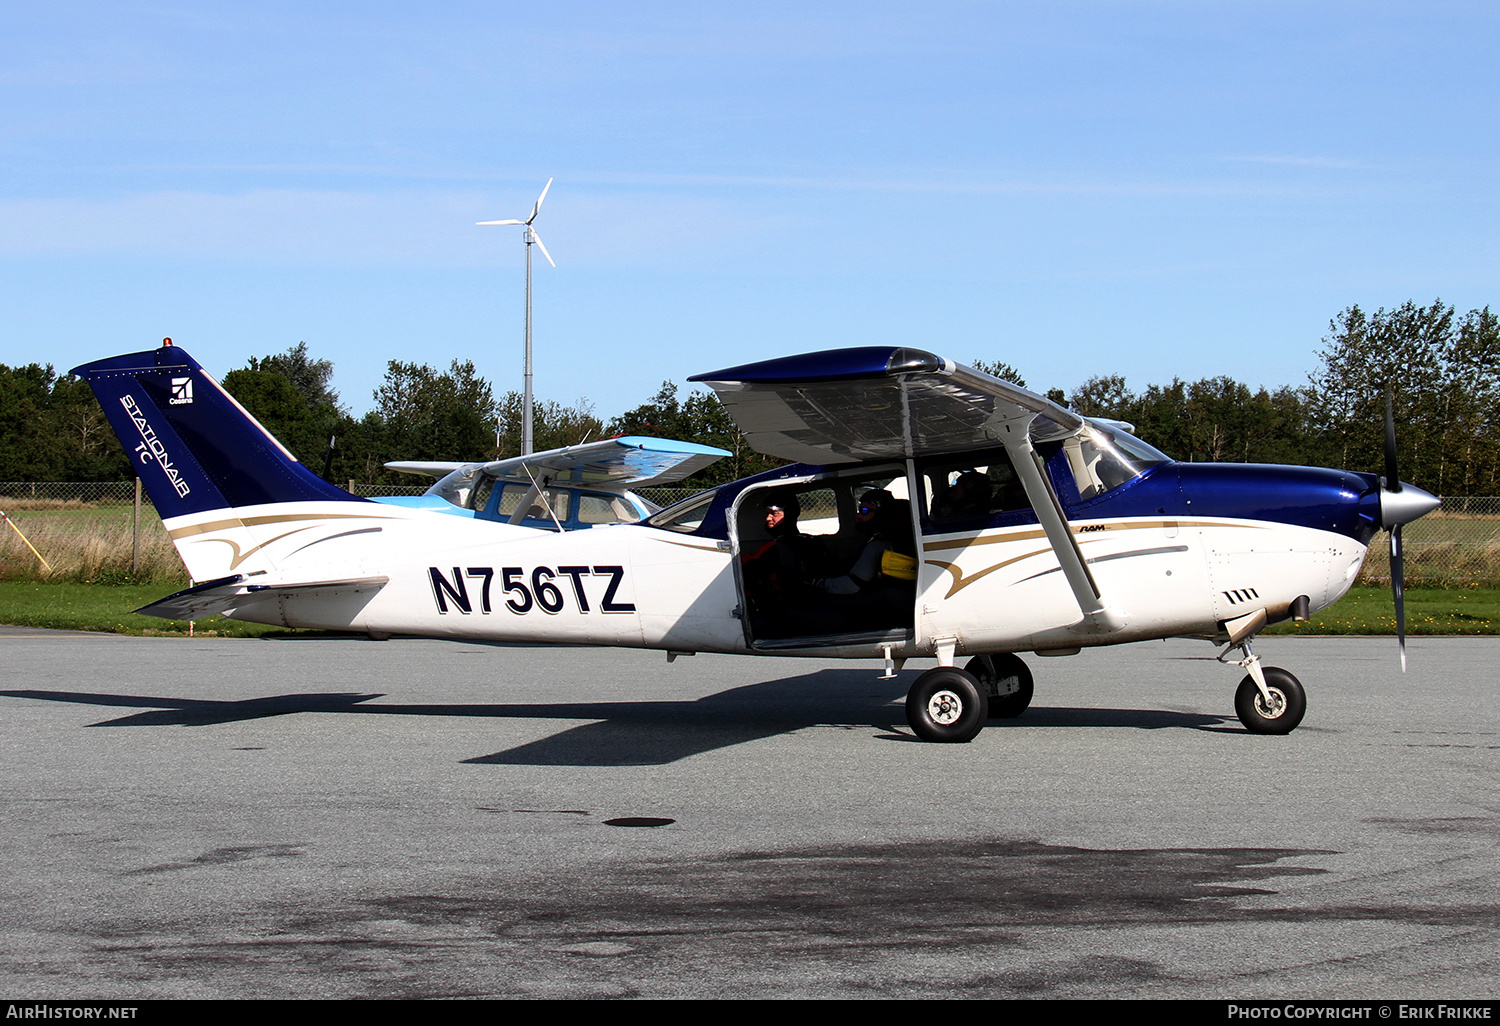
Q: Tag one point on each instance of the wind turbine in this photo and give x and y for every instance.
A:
(532, 238)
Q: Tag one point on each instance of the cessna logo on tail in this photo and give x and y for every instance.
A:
(182, 391)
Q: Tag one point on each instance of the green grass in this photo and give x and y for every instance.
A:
(101, 607)
(1368, 609)
(104, 607)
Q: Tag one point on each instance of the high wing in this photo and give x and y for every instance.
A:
(879, 402)
(426, 468)
(610, 462)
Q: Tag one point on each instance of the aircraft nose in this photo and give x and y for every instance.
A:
(1406, 505)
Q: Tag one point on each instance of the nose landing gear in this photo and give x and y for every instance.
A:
(1268, 701)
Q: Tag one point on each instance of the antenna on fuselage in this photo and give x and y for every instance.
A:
(532, 239)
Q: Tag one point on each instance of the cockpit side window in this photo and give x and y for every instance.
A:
(605, 509)
(538, 505)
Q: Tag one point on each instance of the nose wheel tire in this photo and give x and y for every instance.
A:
(946, 705)
(1006, 681)
(1282, 714)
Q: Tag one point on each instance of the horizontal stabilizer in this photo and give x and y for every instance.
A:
(213, 597)
(195, 602)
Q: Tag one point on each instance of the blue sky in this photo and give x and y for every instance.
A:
(1078, 188)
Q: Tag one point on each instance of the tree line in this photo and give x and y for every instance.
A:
(1441, 369)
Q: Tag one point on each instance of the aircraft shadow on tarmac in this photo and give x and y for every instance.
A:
(634, 733)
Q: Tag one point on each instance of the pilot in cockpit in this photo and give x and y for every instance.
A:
(968, 497)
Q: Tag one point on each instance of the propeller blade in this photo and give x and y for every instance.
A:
(511, 221)
(1393, 513)
(1398, 590)
(538, 240)
(1392, 478)
(537, 209)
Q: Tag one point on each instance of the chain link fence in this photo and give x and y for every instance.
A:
(1456, 545)
(378, 491)
(85, 529)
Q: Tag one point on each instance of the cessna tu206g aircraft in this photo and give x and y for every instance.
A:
(933, 512)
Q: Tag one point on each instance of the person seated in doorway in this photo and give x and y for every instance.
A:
(774, 574)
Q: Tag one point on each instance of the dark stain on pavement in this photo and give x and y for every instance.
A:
(970, 906)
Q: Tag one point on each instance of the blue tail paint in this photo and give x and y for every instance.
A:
(194, 447)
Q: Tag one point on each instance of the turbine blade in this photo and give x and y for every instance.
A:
(511, 221)
(537, 209)
(538, 240)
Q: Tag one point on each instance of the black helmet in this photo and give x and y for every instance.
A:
(786, 502)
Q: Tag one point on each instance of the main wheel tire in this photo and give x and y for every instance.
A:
(1288, 703)
(946, 705)
(1006, 681)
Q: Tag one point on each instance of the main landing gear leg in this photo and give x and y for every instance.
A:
(1268, 701)
(1006, 682)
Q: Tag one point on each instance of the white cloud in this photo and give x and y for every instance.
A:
(332, 227)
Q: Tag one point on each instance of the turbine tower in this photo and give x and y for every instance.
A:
(532, 238)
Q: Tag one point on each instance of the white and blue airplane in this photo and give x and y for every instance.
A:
(932, 512)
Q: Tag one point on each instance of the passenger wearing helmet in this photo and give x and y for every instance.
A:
(878, 591)
(887, 551)
(774, 574)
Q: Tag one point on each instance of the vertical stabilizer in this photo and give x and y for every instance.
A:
(194, 447)
(234, 501)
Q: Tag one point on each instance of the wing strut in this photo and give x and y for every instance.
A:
(1097, 617)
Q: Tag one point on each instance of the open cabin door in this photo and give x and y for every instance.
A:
(825, 574)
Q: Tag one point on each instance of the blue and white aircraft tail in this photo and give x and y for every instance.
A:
(227, 490)
(197, 449)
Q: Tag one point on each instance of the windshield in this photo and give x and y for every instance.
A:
(458, 487)
(686, 516)
(1102, 459)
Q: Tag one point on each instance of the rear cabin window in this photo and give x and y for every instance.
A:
(555, 499)
(979, 487)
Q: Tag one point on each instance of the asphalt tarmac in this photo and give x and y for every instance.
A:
(349, 818)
